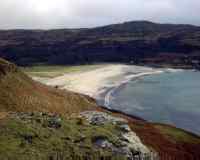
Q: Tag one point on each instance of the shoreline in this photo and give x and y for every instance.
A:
(109, 100)
(128, 78)
(102, 82)
(95, 82)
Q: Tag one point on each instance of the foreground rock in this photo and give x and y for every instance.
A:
(129, 143)
(90, 136)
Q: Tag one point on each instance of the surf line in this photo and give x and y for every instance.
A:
(109, 95)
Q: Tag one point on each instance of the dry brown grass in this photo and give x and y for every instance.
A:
(20, 93)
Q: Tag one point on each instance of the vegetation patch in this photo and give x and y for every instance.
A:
(51, 71)
(177, 134)
(20, 93)
(43, 136)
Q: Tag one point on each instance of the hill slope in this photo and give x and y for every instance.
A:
(138, 41)
(20, 93)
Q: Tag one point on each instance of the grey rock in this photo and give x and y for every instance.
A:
(55, 122)
(125, 128)
(129, 145)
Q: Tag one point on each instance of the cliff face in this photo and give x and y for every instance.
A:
(132, 41)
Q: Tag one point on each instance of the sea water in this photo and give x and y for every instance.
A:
(169, 97)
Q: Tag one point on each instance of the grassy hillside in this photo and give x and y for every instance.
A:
(20, 93)
(33, 137)
(40, 122)
(50, 71)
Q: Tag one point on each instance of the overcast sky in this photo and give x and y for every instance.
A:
(46, 14)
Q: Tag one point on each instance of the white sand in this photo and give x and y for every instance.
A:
(93, 82)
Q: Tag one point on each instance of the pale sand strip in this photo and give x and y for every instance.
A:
(94, 81)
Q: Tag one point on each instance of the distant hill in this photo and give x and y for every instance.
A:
(19, 93)
(137, 41)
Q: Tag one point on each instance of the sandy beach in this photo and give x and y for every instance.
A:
(94, 82)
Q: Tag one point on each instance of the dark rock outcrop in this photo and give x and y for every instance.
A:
(6, 67)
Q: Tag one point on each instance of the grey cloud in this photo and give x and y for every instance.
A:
(89, 13)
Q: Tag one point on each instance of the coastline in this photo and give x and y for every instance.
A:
(151, 134)
(117, 98)
(101, 83)
(128, 78)
(95, 82)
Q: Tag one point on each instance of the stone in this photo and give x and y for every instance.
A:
(54, 122)
(125, 128)
(99, 118)
(130, 144)
(102, 142)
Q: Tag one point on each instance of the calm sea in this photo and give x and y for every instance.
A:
(171, 98)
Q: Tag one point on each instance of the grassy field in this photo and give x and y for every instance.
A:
(54, 71)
